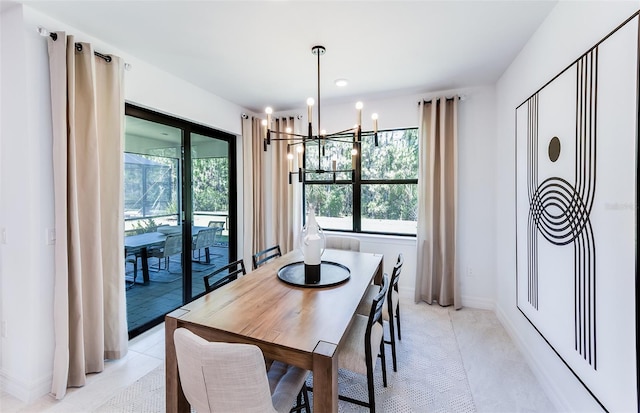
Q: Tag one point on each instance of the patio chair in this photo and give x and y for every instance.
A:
(133, 260)
(205, 238)
(172, 246)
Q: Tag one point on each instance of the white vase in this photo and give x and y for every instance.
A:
(312, 246)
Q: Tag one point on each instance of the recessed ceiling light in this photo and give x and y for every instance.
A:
(342, 82)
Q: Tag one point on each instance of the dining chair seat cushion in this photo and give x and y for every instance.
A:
(284, 381)
(365, 304)
(351, 353)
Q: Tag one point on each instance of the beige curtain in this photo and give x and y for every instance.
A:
(284, 211)
(253, 183)
(89, 295)
(436, 279)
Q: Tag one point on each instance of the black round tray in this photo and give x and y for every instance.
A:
(331, 273)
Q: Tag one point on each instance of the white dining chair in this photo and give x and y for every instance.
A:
(363, 345)
(231, 377)
(342, 243)
(391, 310)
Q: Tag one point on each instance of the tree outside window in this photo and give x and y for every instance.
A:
(383, 198)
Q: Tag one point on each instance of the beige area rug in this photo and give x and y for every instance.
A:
(430, 377)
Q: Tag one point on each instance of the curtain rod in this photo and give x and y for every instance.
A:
(460, 97)
(54, 36)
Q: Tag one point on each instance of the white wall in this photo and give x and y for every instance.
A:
(569, 30)
(25, 211)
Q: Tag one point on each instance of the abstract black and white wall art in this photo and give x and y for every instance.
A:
(576, 216)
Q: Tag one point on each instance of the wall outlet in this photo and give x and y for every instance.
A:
(469, 271)
(3, 329)
(3, 235)
(50, 236)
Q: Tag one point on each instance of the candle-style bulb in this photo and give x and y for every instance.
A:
(359, 106)
(300, 150)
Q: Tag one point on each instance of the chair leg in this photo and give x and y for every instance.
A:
(305, 395)
(398, 321)
(298, 402)
(392, 341)
(384, 364)
(302, 400)
(372, 396)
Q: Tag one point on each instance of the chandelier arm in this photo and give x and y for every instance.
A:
(289, 139)
(350, 131)
(286, 134)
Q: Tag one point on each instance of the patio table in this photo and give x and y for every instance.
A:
(139, 244)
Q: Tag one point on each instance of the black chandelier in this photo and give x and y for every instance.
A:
(352, 136)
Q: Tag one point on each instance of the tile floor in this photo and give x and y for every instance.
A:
(499, 378)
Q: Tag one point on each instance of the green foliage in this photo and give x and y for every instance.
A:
(210, 182)
(143, 226)
(395, 158)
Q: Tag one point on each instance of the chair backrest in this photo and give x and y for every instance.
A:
(375, 315)
(224, 275)
(375, 320)
(172, 245)
(204, 238)
(263, 256)
(216, 224)
(222, 377)
(342, 243)
(392, 298)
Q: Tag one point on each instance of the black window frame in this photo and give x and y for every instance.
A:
(357, 184)
(188, 128)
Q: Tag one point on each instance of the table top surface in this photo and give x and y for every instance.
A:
(260, 308)
(153, 238)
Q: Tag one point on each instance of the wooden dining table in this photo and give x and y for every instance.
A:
(299, 325)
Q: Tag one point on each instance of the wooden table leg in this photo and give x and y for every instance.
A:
(175, 399)
(325, 378)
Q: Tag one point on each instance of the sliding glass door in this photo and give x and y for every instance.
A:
(179, 195)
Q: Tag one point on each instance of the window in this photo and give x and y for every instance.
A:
(383, 196)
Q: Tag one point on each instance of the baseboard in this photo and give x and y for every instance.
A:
(546, 382)
(467, 301)
(25, 392)
(478, 303)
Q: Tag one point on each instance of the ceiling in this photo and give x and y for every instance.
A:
(258, 54)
